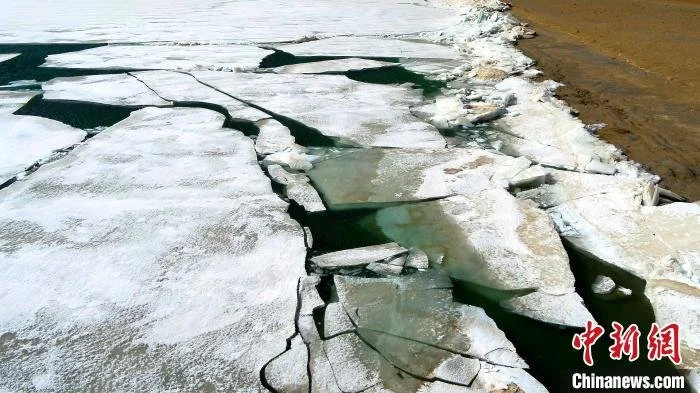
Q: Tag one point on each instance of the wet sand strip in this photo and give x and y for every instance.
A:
(631, 64)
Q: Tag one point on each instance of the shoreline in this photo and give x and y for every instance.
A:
(645, 94)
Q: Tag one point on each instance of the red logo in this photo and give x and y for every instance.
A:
(661, 342)
(625, 342)
(664, 342)
(587, 339)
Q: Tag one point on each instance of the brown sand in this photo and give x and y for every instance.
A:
(632, 64)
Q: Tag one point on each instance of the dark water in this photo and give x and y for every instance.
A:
(26, 65)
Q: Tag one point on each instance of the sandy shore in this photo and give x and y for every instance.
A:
(632, 64)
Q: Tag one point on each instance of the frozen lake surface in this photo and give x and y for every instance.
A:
(312, 196)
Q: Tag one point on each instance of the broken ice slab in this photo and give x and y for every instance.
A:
(292, 159)
(351, 112)
(417, 259)
(678, 302)
(541, 118)
(371, 47)
(309, 297)
(332, 66)
(162, 57)
(422, 360)
(384, 269)
(274, 137)
(182, 87)
(565, 186)
(24, 140)
(639, 239)
(194, 22)
(111, 89)
(564, 310)
(164, 220)
(11, 101)
(358, 256)
(8, 56)
(398, 175)
(433, 67)
(603, 285)
(336, 321)
(288, 373)
(490, 239)
(494, 378)
(414, 308)
(297, 188)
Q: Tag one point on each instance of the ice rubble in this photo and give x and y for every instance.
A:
(25, 140)
(332, 66)
(160, 222)
(214, 22)
(159, 57)
(8, 56)
(405, 334)
(111, 89)
(274, 137)
(297, 188)
(494, 240)
(355, 113)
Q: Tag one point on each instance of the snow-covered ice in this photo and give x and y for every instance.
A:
(111, 89)
(182, 87)
(154, 249)
(8, 56)
(24, 140)
(10, 100)
(210, 21)
(352, 112)
(332, 66)
(371, 47)
(162, 57)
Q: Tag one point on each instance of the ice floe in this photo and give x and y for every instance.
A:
(369, 176)
(332, 66)
(387, 305)
(678, 302)
(25, 140)
(371, 47)
(154, 249)
(8, 56)
(111, 89)
(297, 188)
(404, 334)
(215, 22)
(358, 256)
(354, 113)
(274, 137)
(493, 240)
(184, 88)
(11, 101)
(162, 57)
